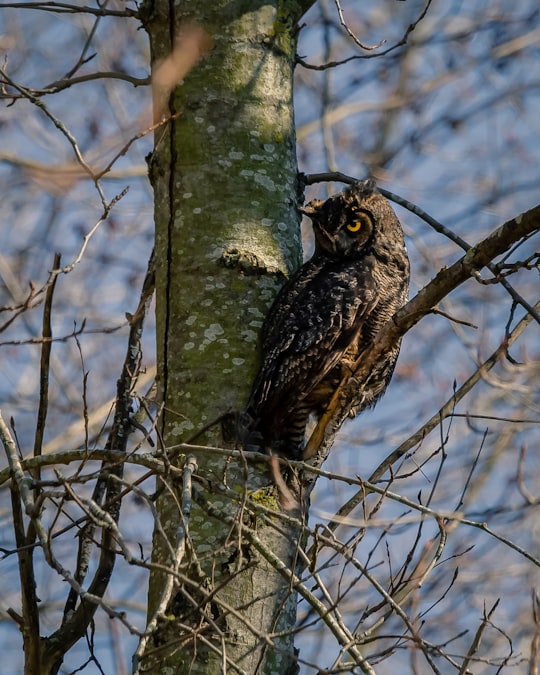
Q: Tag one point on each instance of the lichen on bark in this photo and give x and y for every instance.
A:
(225, 181)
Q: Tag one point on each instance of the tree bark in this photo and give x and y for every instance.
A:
(227, 234)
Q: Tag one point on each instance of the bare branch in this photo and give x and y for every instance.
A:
(44, 364)
(76, 620)
(23, 484)
(341, 633)
(67, 82)
(448, 409)
(20, 492)
(177, 556)
(66, 8)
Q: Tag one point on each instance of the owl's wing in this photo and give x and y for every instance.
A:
(284, 302)
(307, 331)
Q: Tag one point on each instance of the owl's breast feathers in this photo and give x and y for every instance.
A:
(316, 320)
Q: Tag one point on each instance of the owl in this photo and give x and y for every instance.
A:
(328, 312)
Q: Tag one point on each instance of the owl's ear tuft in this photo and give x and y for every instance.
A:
(361, 189)
(312, 208)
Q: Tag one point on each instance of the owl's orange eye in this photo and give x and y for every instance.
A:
(354, 226)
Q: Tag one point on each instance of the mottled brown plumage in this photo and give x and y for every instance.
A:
(326, 315)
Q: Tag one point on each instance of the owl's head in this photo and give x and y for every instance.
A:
(349, 224)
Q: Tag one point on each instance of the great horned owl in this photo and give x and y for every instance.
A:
(327, 314)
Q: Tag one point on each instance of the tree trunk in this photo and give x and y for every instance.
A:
(227, 233)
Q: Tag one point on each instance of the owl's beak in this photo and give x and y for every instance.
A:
(322, 236)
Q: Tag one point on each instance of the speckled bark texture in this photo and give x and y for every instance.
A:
(227, 235)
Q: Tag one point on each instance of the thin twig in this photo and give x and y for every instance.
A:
(45, 364)
(15, 468)
(476, 641)
(342, 634)
(86, 239)
(26, 93)
(65, 338)
(178, 555)
(66, 83)
(83, 59)
(447, 410)
(132, 140)
(350, 32)
(371, 55)
(461, 322)
(66, 8)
